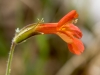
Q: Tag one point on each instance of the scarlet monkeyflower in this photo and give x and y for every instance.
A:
(65, 28)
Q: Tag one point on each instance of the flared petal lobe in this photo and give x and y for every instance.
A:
(76, 47)
(67, 18)
(65, 37)
(76, 31)
(72, 29)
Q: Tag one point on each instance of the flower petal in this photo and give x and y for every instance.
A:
(76, 47)
(69, 17)
(76, 31)
(65, 37)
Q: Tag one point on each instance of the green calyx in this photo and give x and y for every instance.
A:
(26, 32)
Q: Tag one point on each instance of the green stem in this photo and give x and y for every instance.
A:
(8, 69)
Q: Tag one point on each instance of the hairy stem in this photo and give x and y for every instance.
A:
(8, 69)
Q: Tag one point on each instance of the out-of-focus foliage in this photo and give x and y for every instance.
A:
(48, 54)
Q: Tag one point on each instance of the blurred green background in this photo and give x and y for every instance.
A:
(48, 54)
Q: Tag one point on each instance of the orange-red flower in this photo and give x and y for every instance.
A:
(65, 28)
